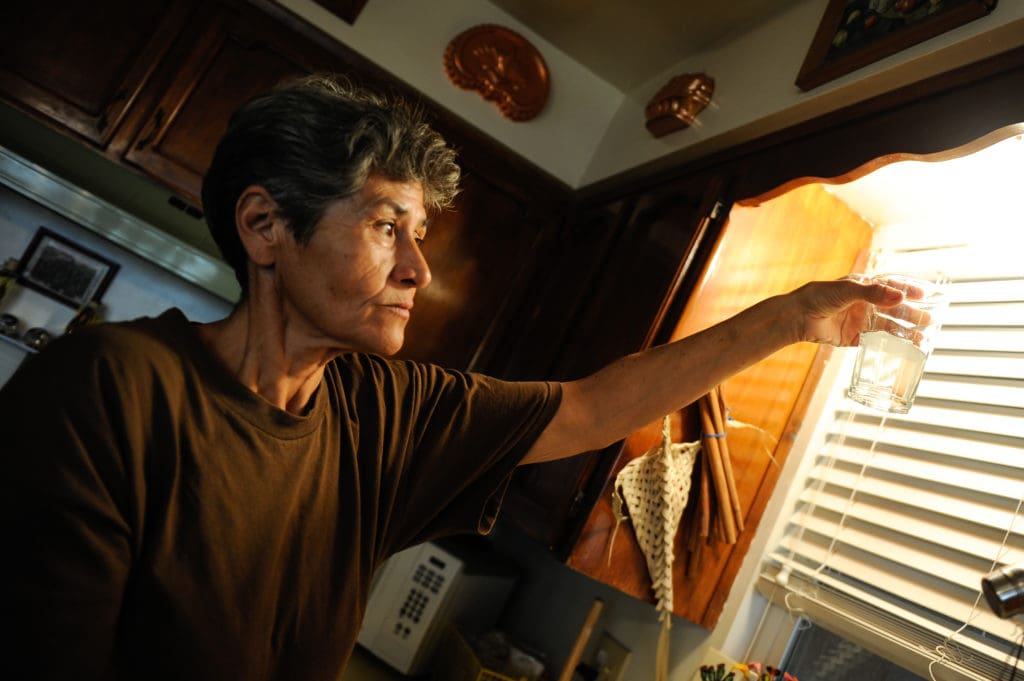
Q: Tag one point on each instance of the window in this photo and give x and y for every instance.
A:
(899, 517)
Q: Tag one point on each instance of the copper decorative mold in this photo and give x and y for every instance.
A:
(503, 66)
(676, 105)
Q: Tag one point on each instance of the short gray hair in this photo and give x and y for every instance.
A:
(312, 141)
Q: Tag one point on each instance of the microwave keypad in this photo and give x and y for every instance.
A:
(414, 604)
(428, 578)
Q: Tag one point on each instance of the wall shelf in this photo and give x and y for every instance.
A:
(18, 343)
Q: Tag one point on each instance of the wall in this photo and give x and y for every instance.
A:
(138, 289)
(409, 38)
(755, 94)
(591, 131)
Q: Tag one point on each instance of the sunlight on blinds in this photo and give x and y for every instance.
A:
(901, 516)
(905, 514)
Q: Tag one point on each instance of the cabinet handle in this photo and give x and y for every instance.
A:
(104, 119)
(158, 120)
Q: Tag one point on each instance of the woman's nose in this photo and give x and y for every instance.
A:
(412, 268)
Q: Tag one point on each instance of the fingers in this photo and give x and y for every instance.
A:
(910, 291)
(886, 293)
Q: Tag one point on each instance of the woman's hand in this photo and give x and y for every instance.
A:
(835, 312)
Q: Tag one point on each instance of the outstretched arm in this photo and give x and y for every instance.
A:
(640, 388)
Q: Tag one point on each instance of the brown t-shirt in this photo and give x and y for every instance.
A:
(162, 521)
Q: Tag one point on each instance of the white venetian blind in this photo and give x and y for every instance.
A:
(901, 516)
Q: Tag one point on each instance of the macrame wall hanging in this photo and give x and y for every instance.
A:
(652, 491)
(655, 488)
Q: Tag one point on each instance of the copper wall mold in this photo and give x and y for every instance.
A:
(676, 105)
(503, 66)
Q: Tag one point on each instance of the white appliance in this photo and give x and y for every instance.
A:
(419, 592)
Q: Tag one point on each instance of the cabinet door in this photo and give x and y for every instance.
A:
(764, 250)
(479, 253)
(238, 54)
(650, 250)
(83, 64)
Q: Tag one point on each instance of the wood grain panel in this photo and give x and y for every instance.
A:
(237, 55)
(764, 250)
(83, 64)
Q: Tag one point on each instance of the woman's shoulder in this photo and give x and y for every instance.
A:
(115, 348)
(374, 370)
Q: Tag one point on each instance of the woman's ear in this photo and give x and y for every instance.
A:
(258, 220)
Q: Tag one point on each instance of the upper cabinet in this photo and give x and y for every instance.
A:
(622, 266)
(754, 256)
(152, 84)
(84, 64)
(228, 57)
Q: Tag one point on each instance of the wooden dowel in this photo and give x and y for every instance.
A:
(718, 419)
(710, 522)
(714, 530)
(718, 474)
(581, 641)
(705, 495)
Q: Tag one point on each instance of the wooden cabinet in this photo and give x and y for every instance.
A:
(621, 268)
(151, 84)
(231, 55)
(84, 64)
(754, 257)
(480, 256)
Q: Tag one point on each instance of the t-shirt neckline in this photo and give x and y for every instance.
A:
(237, 397)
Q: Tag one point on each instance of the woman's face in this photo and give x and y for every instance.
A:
(352, 286)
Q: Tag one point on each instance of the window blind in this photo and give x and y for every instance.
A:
(901, 516)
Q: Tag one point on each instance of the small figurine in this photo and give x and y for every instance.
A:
(8, 275)
(37, 338)
(676, 105)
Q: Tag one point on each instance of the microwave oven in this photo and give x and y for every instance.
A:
(417, 593)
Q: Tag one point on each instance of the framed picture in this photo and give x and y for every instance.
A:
(63, 270)
(855, 33)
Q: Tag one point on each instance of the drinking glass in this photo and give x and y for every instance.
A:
(896, 343)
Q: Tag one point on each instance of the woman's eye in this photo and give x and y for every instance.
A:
(387, 227)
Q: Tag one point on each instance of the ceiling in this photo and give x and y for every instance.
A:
(628, 43)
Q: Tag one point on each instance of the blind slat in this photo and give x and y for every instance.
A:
(880, 555)
(980, 509)
(974, 338)
(995, 365)
(910, 617)
(902, 586)
(927, 474)
(975, 541)
(1003, 313)
(966, 423)
(973, 393)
